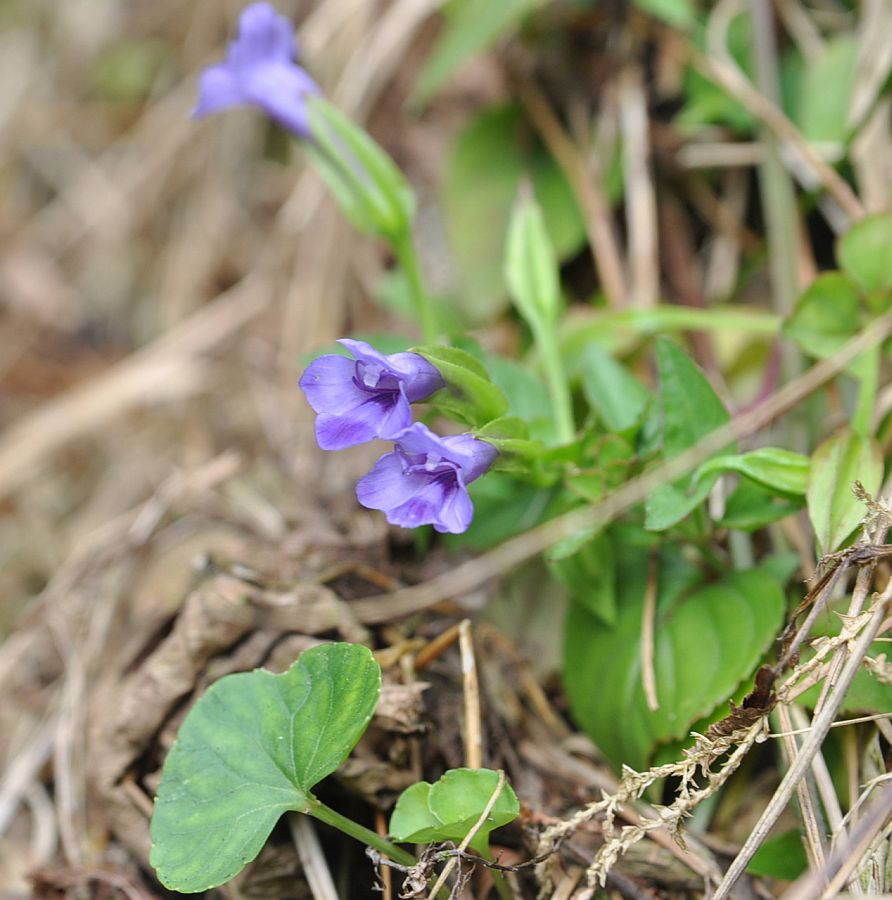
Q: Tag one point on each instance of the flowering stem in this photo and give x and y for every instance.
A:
(406, 255)
(546, 341)
(362, 834)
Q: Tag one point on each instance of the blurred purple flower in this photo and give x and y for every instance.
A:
(424, 480)
(260, 70)
(368, 397)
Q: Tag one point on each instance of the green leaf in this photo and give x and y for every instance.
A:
(866, 694)
(469, 396)
(865, 252)
(782, 857)
(508, 436)
(369, 188)
(751, 507)
(459, 797)
(613, 393)
(772, 467)
(412, 819)
(836, 465)
(486, 165)
(531, 270)
(690, 410)
(826, 315)
(590, 577)
(680, 13)
(503, 507)
(526, 393)
(471, 27)
(250, 749)
(706, 642)
(825, 91)
(454, 804)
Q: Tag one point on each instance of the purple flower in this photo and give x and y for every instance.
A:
(423, 481)
(368, 397)
(260, 70)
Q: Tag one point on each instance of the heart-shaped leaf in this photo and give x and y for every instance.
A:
(250, 749)
(448, 809)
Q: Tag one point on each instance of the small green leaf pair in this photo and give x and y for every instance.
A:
(448, 809)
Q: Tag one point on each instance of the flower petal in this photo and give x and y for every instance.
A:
(477, 455)
(419, 440)
(328, 385)
(263, 36)
(364, 352)
(378, 416)
(422, 378)
(411, 499)
(387, 485)
(456, 511)
(281, 90)
(218, 89)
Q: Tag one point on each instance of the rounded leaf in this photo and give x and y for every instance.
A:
(249, 750)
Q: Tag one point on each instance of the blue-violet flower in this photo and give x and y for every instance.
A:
(368, 397)
(260, 70)
(424, 480)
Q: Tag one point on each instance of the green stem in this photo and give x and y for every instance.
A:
(867, 367)
(547, 344)
(404, 248)
(362, 834)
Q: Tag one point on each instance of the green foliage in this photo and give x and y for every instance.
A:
(490, 158)
(450, 807)
(842, 459)
(681, 13)
(826, 315)
(589, 575)
(526, 393)
(371, 191)
(611, 391)
(470, 28)
(503, 507)
(530, 266)
(825, 91)
(250, 749)
(772, 467)
(782, 856)
(469, 396)
(751, 507)
(531, 273)
(688, 409)
(865, 253)
(708, 639)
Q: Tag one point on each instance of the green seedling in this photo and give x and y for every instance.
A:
(450, 808)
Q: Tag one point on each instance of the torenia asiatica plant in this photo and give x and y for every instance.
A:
(484, 447)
